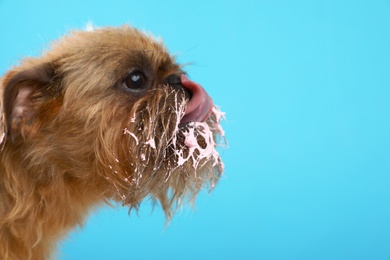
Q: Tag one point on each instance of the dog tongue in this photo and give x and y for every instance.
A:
(200, 106)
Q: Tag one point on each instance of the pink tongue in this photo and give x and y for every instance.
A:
(200, 106)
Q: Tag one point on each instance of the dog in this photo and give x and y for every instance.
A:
(103, 116)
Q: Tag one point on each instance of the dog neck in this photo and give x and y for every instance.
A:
(28, 194)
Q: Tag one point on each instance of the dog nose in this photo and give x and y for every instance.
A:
(174, 81)
(199, 105)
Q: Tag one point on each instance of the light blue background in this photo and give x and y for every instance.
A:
(305, 85)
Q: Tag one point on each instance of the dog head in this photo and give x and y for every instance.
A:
(110, 112)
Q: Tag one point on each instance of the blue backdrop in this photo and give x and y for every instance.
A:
(306, 89)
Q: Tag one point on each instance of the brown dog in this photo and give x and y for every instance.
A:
(104, 115)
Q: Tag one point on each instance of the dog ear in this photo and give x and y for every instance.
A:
(23, 92)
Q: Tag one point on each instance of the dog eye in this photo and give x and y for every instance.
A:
(135, 81)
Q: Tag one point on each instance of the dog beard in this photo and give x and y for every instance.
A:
(159, 155)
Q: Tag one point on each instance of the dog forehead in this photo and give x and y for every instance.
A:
(133, 46)
(121, 46)
(91, 60)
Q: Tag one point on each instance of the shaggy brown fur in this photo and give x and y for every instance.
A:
(75, 135)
